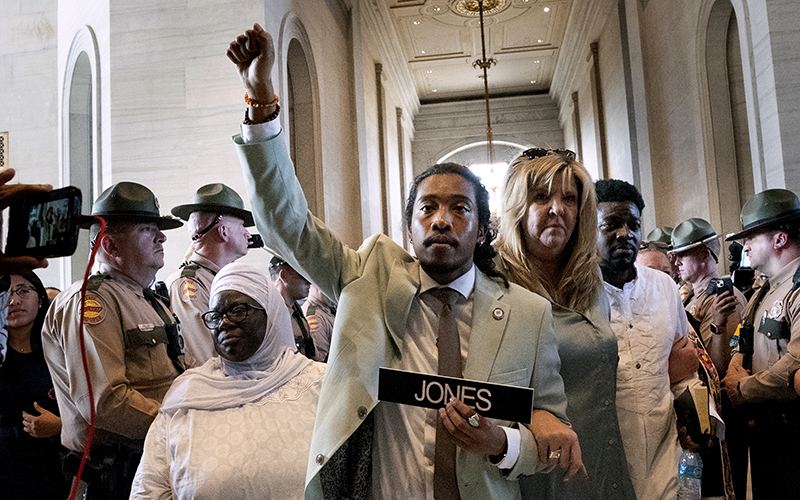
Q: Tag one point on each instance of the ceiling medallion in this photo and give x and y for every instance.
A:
(470, 7)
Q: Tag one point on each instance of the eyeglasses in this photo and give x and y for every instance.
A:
(23, 292)
(236, 314)
(534, 153)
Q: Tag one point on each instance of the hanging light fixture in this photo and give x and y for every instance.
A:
(484, 63)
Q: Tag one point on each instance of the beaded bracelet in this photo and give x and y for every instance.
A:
(248, 121)
(257, 104)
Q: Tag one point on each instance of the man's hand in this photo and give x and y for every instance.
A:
(730, 384)
(10, 193)
(253, 53)
(721, 307)
(683, 360)
(45, 425)
(553, 436)
(486, 439)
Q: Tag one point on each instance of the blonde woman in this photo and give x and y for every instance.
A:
(548, 230)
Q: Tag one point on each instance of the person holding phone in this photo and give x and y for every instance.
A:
(714, 308)
(714, 305)
(10, 193)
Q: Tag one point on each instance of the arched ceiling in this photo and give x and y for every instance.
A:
(441, 39)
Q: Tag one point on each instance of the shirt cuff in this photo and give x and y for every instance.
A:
(512, 450)
(260, 132)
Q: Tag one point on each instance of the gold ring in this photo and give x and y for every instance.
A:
(555, 455)
(474, 420)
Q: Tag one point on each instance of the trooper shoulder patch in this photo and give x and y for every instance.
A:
(188, 291)
(93, 310)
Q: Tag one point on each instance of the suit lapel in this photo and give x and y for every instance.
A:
(489, 319)
(403, 286)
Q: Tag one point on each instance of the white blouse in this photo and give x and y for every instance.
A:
(256, 451)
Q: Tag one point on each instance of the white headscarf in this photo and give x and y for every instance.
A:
(220, 383)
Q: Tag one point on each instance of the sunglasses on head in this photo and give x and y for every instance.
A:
(534, 153)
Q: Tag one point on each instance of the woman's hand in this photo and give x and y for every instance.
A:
(557, 444)
(45, 425)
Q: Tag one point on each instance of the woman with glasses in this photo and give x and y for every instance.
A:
(240, 425)
(30, 427)
(547, 237)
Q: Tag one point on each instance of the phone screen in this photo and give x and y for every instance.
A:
(45, 224)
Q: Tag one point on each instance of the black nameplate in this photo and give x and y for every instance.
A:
(503, 402)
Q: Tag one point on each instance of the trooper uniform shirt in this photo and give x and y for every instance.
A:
(700, 306)
(126, 351)
(189, 292)
(776, 333)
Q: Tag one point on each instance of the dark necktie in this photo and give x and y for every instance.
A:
(746, 329)
(306, 343)
(174, 338)
(449, 352)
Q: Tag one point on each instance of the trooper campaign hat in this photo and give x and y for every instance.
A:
(768, 209)
(660, 236)
(130, 201)
(692, 233)
(217, 198)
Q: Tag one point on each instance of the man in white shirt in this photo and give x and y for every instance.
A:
(648, 318)
(389, 314)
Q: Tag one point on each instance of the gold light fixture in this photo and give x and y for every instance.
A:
(471, 7)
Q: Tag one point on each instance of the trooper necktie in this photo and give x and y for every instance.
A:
(747, 329)
(445, 486)
(305, 344)
(171, 329)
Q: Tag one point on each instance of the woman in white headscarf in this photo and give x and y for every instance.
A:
(240, 425)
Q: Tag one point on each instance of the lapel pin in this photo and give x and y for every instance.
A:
(498, 313)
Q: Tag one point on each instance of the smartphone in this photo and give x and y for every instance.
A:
(45, 225)
(256, 241)
(719, 285)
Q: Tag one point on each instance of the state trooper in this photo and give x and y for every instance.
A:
(660, 236)
(132, 342)
(217, 222)
(714, 309)
(294, 288)
(654, 252)
(760, 375)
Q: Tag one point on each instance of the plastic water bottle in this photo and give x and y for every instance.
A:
(690, 474)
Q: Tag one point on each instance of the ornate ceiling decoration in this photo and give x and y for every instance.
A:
(440, 40)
